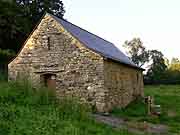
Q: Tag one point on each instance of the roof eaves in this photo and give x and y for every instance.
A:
(104, 55)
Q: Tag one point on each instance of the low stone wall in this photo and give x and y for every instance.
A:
(123, 83)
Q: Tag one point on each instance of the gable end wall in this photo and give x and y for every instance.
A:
(79, 71)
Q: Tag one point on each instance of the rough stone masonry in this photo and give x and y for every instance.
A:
(53, 56)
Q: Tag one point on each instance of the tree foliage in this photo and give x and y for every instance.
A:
(18, 17)
(137, 52)
(34, 9)
(13, 26)
(163, 72)
(175, 64)
(6, 55)
(158, 67)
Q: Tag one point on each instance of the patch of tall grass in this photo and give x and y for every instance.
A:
(25, 110)
(22, 93)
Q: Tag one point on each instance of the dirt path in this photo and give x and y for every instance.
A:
(138, 128)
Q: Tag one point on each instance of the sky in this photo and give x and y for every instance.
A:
(155, 22)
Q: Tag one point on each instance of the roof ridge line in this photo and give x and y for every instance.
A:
(83, 29)
(116, 54)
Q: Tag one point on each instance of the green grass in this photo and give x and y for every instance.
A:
(28, 111)
(168, 96)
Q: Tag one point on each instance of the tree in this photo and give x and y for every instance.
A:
(34, 9)
(158, 68)
(175, 61)
(13, 26)
(17, 19)
(137, 52)
(175, 64)
(166, 60)
(174, 71)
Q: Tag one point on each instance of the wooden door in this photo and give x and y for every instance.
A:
(49, 80)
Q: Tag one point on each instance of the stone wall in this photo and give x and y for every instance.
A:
(51, 49)
(79, 71)
(123, 83)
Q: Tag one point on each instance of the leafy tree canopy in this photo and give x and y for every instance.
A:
(13, 26)
(137, 52)
(34, 9)
(175, 64)
(158, 66)
(18, 17)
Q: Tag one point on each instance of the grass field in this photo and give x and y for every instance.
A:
(26, 111)
(168, 96)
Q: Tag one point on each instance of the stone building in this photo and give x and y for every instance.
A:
(75, 62)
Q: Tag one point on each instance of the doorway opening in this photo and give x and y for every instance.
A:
(48, 80)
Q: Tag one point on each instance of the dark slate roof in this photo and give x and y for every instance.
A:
(95, 43)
